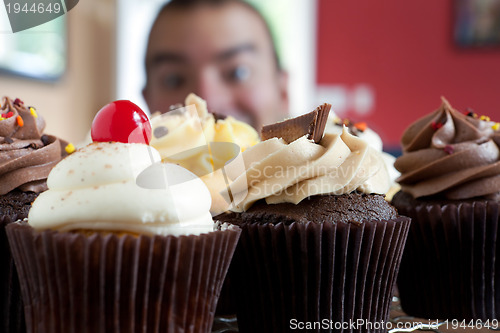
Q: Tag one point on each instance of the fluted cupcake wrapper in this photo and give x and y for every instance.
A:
(313, 272)
(11, 313)
(449, 269)
(226, 305)
(73, 282)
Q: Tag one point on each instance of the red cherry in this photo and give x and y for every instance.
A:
(121, 121)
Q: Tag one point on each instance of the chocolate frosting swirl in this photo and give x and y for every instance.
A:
(26, 155)
(450, 155)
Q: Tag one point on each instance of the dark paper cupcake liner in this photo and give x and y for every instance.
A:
(72, 282)
(226, 306)
(331, 274)
(11, 313)
(449, 269)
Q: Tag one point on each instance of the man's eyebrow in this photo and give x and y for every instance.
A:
(178, 58)
(235, 50)
(166, 56)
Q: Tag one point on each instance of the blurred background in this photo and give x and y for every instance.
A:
(386, 63)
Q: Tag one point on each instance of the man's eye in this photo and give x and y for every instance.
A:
(172, 81)
(239, 73)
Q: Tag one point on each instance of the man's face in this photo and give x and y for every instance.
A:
(224, 55)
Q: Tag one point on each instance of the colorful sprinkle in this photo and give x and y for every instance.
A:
(45, 139)
(20, 121)
(496, 126)
(33, 112)
(471, 113)
(2, 118)
(8, 114)
(70, 148)
(361, 126)
(18, 102)
(485, 118)
(435, 126)
(448, 149)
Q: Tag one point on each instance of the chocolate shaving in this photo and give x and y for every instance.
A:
(218, 116)
(323, 111)
(8, 140)
(311, 124)
(160, 131)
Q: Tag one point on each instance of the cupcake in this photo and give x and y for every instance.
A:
(319, 243)
(201, 142)
(26, 158)
(120, 241)
(450, 186)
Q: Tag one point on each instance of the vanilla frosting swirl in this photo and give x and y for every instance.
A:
(114, 186)
(26, 155)
(451, 155)
(279, 172)
(334, 125)
(194, 139)
(181, 136)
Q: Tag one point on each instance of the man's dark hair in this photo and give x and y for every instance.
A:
(188, 4)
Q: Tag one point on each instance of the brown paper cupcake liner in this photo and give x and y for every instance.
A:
(11, 313)
(73, 282)
(449, 269)
(310, 272)
(226, 306)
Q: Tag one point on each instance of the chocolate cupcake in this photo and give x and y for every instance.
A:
(26, 158)
(120, 241)
(319, 244)
(450, 188)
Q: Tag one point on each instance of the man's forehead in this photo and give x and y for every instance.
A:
(208, 32)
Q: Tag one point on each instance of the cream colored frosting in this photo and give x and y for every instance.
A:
(122, 187)
(192, 138)
(372, 138)
(279, 172)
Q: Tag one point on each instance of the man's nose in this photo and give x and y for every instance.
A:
(211, 87)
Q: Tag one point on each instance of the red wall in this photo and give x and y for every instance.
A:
(405, 51)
